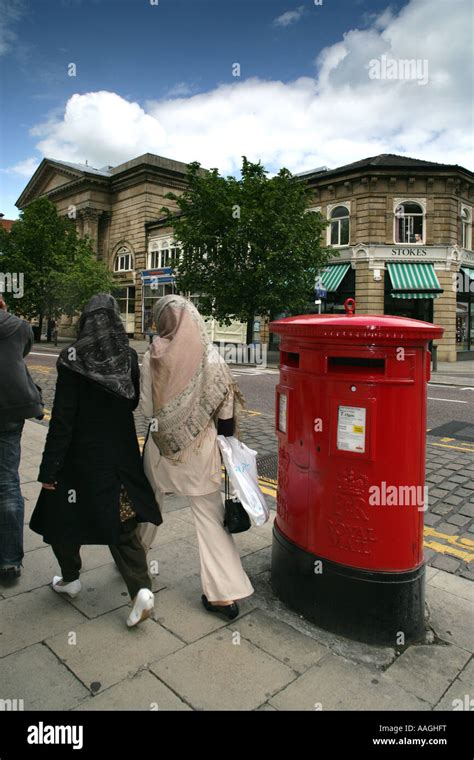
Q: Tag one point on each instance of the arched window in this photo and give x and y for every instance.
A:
(339, 227)
(123, 260)
(409, 223)
(466, 228)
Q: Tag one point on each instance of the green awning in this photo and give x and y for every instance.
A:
(414, 280)
(333, 275)
(468, 272)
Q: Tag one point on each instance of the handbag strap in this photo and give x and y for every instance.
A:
(226, 487)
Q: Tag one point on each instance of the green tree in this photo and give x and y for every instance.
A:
(60, 272)
(249, 245)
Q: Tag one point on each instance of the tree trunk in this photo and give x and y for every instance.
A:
(49, 331)
(250, 322)
(40, 326)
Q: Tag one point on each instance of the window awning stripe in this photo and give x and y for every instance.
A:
(414, 280)
(468, 272)
(414, 294)
(333, 275)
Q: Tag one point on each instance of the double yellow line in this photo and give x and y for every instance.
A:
(462, 548)
(446, 443)
(455, 546)
(40, 368)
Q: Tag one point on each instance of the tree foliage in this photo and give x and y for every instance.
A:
(249, 245)
(59, 269)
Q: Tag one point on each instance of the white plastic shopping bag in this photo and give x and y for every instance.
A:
(241, 465)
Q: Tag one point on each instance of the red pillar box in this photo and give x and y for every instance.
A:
(351, 423)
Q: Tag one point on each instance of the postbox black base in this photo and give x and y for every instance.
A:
(373, 607)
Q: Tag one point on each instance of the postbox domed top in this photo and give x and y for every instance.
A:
(361, 328)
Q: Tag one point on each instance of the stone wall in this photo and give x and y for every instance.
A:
(372, 207)
(444, 314)
(369, 294)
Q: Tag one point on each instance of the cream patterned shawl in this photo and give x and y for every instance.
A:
(190, 380)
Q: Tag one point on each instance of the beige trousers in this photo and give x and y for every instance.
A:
(222, 575)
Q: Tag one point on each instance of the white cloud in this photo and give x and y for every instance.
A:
(180, 90)
(101, 127)
(11, 12)
(337, 116)
(289, 17)
(24, 168)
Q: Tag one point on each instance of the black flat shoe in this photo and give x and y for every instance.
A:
(10, 574)
(230, 611)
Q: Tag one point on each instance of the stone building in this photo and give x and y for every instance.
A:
(402, 229)
(112, 206)
(120, 208)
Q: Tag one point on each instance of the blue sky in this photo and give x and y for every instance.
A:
(159, 78)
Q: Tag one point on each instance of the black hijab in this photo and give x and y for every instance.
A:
(101, 352)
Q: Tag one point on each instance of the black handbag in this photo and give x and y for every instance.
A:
(236, 519)
(40, 392)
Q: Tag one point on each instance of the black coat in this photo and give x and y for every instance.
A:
(91, 450)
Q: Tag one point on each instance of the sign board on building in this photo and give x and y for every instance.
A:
(408, 252)
(157, 276)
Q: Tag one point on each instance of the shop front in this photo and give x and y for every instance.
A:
(415, 282)
(156, 283)
(410, 290)
(125, 297)
(338, 280)
(465, 313)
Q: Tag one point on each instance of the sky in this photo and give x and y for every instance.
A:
(300, 84)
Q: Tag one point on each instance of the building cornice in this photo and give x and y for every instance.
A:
(346, 173)
(146, 173)
(365, 184)
(377, 255)
(142, 169)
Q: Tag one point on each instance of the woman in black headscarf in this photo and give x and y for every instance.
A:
(94, 489)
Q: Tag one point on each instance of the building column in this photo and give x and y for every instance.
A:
(369, 293)
(444, 314)
(90, 228)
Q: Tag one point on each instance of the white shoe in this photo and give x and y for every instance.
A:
(71, 588)
(142, 607)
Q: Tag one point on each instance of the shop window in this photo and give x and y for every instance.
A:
(123, 260)
(339, 227)
(334, 301)
(465, 312)
(409, 223)
(150, 295)
(466, 228)
(125, 298)
(462, 325)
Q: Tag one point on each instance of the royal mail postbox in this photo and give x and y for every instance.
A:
(351, 422)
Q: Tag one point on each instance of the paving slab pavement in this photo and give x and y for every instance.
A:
(57, 653)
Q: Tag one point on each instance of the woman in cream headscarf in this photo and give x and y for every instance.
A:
(188, 393)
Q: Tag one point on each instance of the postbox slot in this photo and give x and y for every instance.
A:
(356, 365)
(290, 358)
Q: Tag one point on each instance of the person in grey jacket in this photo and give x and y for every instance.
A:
(20, 399)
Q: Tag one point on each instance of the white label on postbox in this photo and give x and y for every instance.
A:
(351, 429)
(282, 412)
